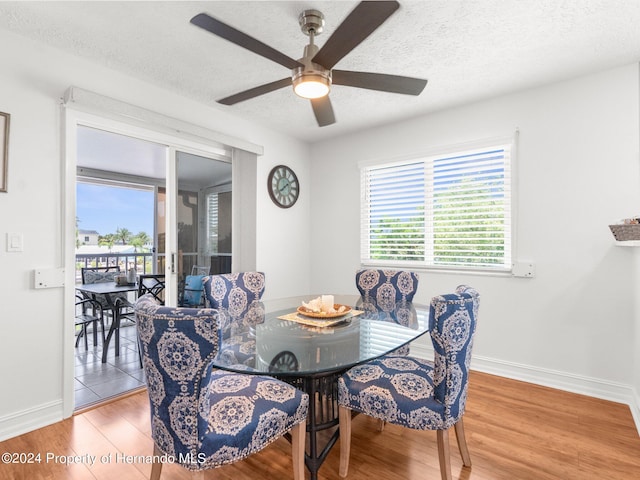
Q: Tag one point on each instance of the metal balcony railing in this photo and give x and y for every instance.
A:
(142, 262)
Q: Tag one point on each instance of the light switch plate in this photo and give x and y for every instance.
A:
(15, 242)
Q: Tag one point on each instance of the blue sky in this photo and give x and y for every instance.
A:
(105, 209)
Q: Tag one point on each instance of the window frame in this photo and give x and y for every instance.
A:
(506, 268)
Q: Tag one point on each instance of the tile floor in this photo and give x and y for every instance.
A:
(96, 381)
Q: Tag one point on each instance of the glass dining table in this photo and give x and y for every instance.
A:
(311, 352)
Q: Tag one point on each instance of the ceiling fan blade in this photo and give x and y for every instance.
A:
(323, 111)
(227, 32)
(359, 24)
(379, 81)
(255, 92)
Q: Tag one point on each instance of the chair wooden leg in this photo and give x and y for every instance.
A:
(381, 424)
(344, 415)
(462, 443)
(156, 467)
(298, 439)
(444, 454)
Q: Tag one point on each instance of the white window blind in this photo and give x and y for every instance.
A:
(212, 222)
(447, 211)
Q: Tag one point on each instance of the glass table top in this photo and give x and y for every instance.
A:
(271, 337)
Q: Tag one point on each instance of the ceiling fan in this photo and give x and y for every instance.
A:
(313, 74)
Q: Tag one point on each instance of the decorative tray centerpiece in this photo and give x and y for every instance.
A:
(323, 307)
(320, 312)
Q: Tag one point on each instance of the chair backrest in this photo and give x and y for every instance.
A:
(234, 292)
(403, 313)
(200, 270)
(193, 291)
(237, 298)
(452, 325)
(104, 275)
(152, 284)
(176, 343)
(99, 274)
(387, 287)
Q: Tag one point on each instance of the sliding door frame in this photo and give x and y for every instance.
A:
(71, 120)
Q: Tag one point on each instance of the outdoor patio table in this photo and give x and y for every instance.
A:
(107, 289)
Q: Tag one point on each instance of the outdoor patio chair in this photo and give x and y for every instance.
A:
(153, 284)
(88, 312)
(193, 291)
(103, 275)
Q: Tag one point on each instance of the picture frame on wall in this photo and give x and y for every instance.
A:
(4, 150)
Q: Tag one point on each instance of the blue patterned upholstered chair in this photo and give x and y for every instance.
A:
(203, 417)
(235, 294)
(416, 393)
(237, 298)
(386, 295)
(387, 287)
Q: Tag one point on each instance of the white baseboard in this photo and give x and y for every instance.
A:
(52, 412)
(635, 409)
(30, 419)
(593, 387)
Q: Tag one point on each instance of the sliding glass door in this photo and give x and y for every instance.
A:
(200, 219)
(187, 179)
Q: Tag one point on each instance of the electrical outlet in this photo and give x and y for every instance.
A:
(523, 269)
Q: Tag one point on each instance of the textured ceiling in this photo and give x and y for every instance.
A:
(469, 50)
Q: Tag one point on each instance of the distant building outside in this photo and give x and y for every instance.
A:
(87, 237)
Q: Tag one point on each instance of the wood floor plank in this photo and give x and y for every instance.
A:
(515, 431)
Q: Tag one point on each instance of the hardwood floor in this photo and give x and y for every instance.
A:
(515, 431)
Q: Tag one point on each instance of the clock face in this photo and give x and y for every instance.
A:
(283, 186)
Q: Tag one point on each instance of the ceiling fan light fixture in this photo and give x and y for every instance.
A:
(311, 84)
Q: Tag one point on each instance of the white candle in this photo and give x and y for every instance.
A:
(327, 303)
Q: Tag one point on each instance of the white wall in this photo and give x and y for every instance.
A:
(571, 326)
(635, 405)
(33, 78)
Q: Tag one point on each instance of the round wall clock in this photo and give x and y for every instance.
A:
(283, 186)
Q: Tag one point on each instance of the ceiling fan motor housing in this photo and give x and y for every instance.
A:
(311, 21)
(312, 75)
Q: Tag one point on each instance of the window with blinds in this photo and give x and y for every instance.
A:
(449, 211)
(212, 223)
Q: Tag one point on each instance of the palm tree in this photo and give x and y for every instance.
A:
(109, 240)
(123, 235)
(143, 238)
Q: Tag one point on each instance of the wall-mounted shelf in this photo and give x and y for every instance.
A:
(627, 235)
(628, 243)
